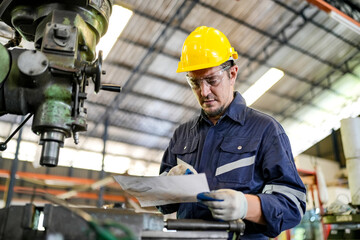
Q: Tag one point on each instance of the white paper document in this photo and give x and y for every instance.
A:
(153, 191)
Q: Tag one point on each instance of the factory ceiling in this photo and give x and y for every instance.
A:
(320, 58)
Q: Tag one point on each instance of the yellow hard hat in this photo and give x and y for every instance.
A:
(205, 47)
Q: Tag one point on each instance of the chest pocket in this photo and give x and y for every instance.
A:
(186, 150)
(237, 160)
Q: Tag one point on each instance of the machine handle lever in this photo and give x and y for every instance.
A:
(110, 87)
(3, 145)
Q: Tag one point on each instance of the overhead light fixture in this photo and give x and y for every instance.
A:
(118, 20)
(265, 82)
(337, 15)
(355, 26)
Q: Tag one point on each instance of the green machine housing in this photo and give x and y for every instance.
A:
(50, 81)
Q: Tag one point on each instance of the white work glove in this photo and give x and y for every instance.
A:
(232, 207)
(180, 169)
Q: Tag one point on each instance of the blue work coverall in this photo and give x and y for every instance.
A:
(247, 151)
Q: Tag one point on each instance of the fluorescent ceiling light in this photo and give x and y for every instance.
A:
(118, 20)
(265, 82)
(349, 24)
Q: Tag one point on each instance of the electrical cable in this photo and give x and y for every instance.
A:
(3, 6)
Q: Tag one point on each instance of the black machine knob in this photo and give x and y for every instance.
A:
(111, 87)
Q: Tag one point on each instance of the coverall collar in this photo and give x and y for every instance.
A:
(235, 111)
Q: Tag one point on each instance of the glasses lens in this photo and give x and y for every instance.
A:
(212, 80)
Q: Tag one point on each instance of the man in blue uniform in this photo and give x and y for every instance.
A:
(244, 153)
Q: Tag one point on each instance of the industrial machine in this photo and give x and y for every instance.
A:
(345, 220)
(114, 222)
(50, 82)
(59, 223)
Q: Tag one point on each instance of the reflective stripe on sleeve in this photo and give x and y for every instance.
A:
(293, 194)
(237, 164)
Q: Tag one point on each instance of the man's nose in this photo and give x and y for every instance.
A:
(204, 88)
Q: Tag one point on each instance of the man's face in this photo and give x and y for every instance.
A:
(214, 89)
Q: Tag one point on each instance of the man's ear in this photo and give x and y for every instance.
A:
(233, 74)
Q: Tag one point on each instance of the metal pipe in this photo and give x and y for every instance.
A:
(100, 202)
(237, 226)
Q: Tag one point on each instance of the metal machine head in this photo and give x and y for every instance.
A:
(49, 82)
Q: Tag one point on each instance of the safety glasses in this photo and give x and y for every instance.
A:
(212, 80)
